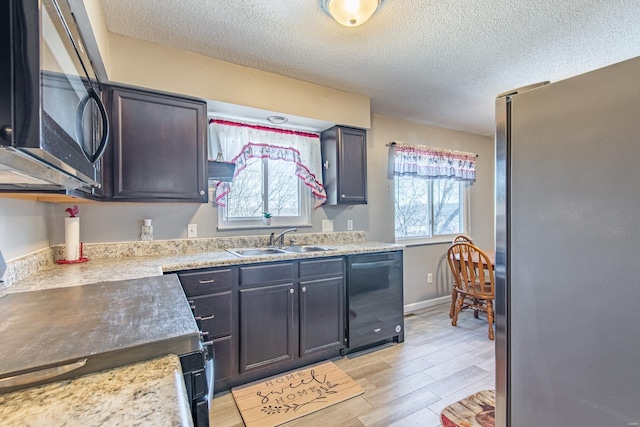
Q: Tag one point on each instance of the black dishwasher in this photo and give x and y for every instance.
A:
(375, 299)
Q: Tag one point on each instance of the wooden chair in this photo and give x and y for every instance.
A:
(454, 293)
(474, 281)
(462, 238)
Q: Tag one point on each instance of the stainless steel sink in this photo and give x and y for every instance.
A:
(297, 249)
(305, 248)
(256, 251)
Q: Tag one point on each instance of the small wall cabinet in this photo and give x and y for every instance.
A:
(344, 160)
(158, 147)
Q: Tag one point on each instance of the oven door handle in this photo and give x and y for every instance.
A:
(208, 371)
(43, 374)
(373, 264)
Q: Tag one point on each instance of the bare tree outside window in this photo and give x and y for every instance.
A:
(427, 207)
(446, 207)
(277, 178)
(284, 188)
(245, 198)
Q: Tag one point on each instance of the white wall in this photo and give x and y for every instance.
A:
(25, 227)
(145, 64)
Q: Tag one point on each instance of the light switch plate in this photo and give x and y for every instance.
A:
(192, 230)
(327, 225)
(349, 224)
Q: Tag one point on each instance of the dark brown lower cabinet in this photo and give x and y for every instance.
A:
(264, 319)
(321, 315)
(266, 326)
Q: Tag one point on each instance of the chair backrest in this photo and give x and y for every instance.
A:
(462, 238)
(472, 270)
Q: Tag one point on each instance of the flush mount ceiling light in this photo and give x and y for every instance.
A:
(277, 120)
(351, 13)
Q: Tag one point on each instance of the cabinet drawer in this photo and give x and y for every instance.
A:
(266, 274)
(321, 267)
(205, 282)
(215, 311)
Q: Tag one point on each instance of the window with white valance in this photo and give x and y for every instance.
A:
(431, 200)
(277, 171)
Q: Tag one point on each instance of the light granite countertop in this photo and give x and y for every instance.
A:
(150, 393)
(111, 269)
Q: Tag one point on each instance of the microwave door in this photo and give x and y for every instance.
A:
(68, 85)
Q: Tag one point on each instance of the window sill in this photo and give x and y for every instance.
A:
(424, 242)
(262, 227)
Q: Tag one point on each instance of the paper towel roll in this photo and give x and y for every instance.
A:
(72, 238)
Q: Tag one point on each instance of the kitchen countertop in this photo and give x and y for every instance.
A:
(150, 393)
(109, 324)
(111, 269)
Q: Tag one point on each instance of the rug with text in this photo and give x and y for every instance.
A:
(277, 400)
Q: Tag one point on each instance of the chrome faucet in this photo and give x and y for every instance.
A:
(273, 242)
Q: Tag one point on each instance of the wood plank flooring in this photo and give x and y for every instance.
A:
(405, 384)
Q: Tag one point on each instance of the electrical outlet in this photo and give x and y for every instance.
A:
(327, 225)
(430, 278)
(192, 230)
(349, 224)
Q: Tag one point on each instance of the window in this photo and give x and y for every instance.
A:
(430, 192)
(266, 185)
(426, 209)
(277, 171)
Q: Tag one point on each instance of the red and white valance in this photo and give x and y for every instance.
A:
(239, 142)
(430, 162)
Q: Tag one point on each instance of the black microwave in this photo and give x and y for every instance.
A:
(54, 127)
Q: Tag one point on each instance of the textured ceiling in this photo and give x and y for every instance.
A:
(435, 62)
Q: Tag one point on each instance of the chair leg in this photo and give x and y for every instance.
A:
(490, 318)
(457, 310)
(454, 297)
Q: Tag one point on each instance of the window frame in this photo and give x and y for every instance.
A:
(303, 220)
(442, 238)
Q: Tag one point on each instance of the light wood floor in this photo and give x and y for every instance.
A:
(405, 384)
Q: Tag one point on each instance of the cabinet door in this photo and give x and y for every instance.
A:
(267, 333)
(321, 315)
(352, 158)
(344, 158)
(159, 147)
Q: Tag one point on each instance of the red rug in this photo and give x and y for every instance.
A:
(477, 410)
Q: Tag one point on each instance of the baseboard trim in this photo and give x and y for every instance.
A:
(408, 308)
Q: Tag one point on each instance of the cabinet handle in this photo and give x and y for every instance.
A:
(291, 291)
(326, 164)
(202, 282)
(343, 196)
(202, 192)
(304, 289)
(206, 317)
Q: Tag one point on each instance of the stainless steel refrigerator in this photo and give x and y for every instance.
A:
(568, 251)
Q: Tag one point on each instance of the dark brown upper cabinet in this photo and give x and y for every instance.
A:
(344, 165)
(158, 147)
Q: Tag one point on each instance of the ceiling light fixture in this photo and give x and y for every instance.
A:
(277, 120)
(351, 13)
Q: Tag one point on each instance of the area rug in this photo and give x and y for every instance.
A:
(477, 410)
(280, 399)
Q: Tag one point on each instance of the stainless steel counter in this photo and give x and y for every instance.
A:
(109, 324)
